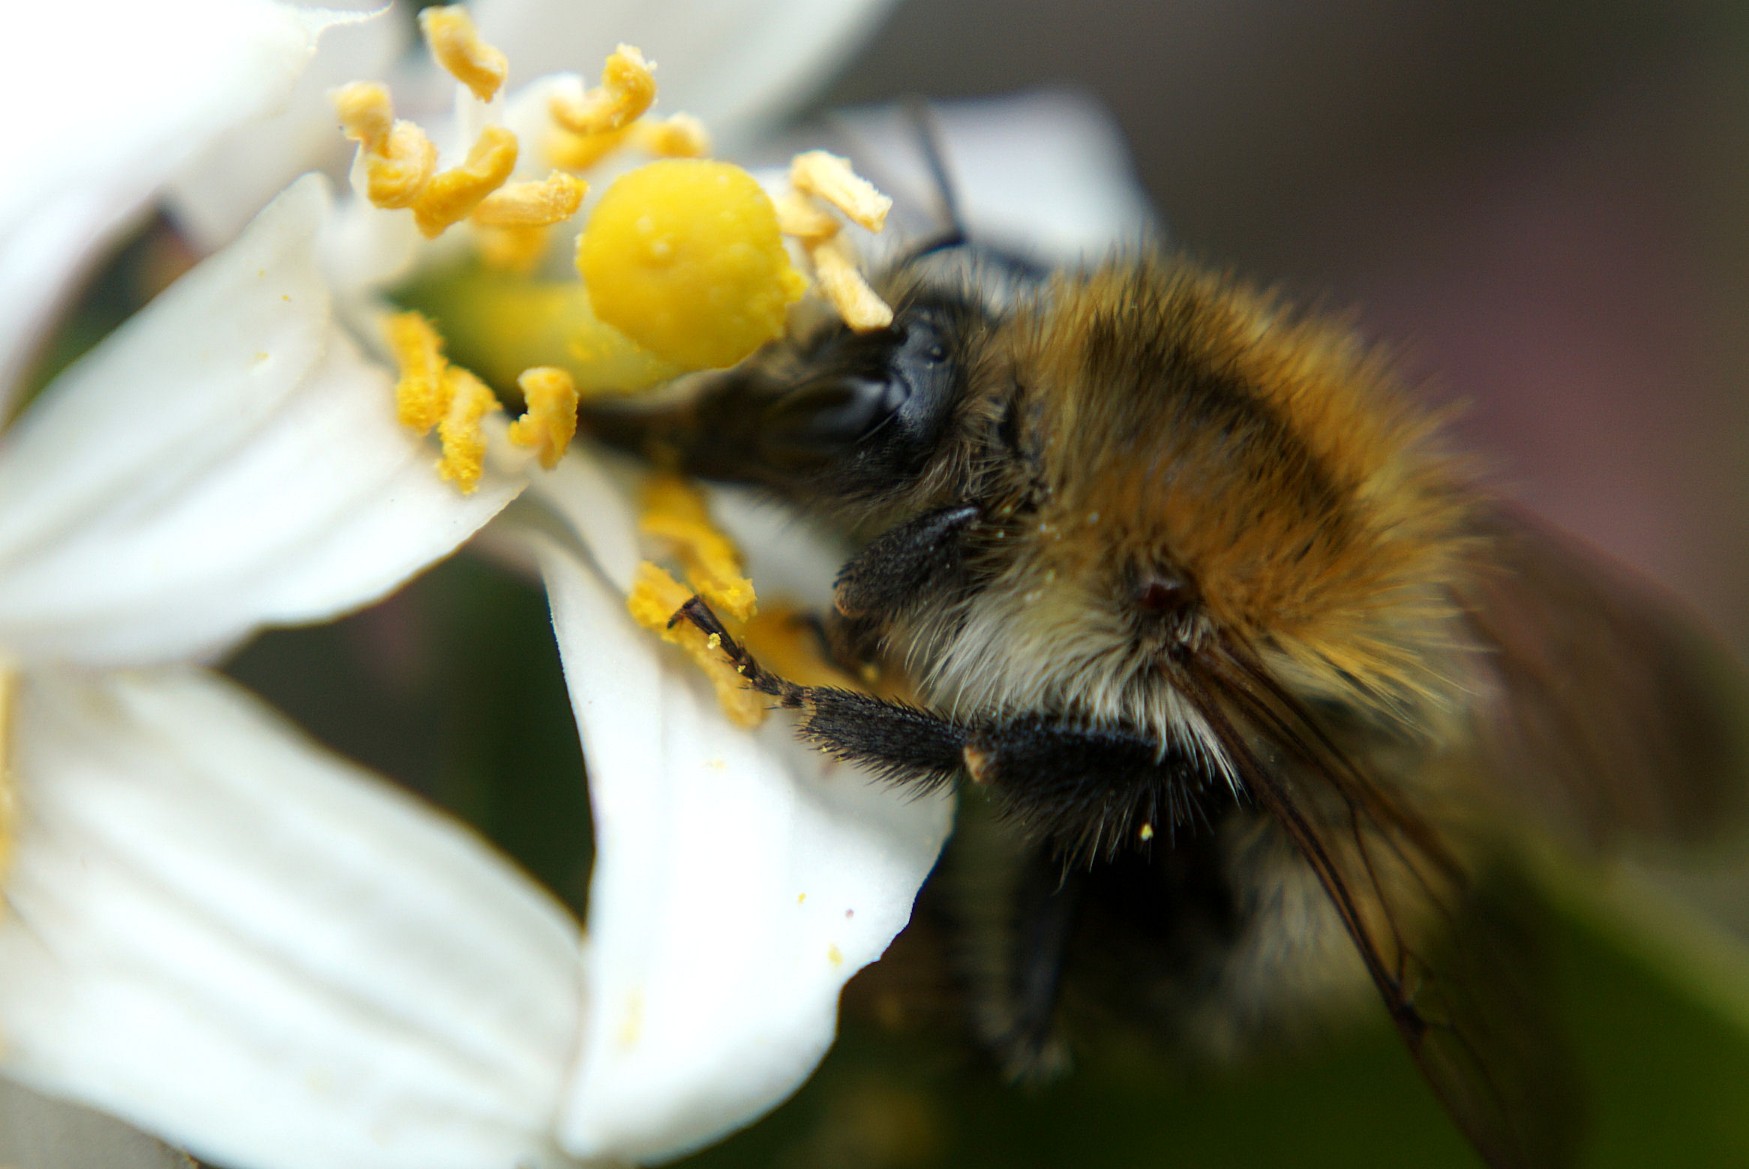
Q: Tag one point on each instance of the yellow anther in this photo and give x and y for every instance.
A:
(654, 599)
(456, 45)
(453, 194)
(627, 89)
(397, 158)
(799, 216)
(581, 151)
(684, 257)
(398, 177)
(549, 421)
(843, 285)
(534, 204)
(675, 512)
(462, 432)
(830, 177)
(421, 397)
(366, 113)
(678, 136)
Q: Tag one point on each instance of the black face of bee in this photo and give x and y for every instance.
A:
(845, 415)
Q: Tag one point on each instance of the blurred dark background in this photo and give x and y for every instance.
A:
(1541, 205)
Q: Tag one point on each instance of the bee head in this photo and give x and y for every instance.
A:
(835, 420)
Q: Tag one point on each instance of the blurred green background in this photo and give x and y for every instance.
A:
(1544, 206)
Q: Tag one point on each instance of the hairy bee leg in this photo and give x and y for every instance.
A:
(890, 574)
(1089, 791)
(1027, 1036)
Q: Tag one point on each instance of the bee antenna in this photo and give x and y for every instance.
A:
(928, 127)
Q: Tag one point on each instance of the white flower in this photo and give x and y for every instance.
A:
(235, 940)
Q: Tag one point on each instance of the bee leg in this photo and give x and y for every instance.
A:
(1024, 1032)
(900, 743)
(888, 576)
(1091, 792)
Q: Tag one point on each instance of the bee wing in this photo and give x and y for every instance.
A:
(1454, 962)
(1612, 710)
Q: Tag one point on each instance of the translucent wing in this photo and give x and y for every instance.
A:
(1447, 948)
(1612, 711)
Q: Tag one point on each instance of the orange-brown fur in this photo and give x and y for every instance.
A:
(1189, 422)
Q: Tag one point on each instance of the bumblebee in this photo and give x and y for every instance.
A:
(1191, 595)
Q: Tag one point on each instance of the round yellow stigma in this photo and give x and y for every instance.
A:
(684, 257)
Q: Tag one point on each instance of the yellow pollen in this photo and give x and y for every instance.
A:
(678, 136)
(816, 172)
(421, 396)
(397, 157)
(550, 420)
(654, 599)
(788, 644)
(552, 200)
(456, 45)
(366, 113)
(627, 89)
(461, 432)
(453, 194)
(675, 512)
(684, 257)
(842, 283)
(799, 216)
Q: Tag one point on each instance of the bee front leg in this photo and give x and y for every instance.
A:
(1089, 792)
(903, 564)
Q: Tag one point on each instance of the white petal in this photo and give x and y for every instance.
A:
(236, 941)
(226, 460)
(1046, 174)
(37, 1132)
(235, 176)
(104, 104)
(739, 880)
(738, 64)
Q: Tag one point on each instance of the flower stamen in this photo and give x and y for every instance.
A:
(462, 432)
(532, 204)
(396, 157)
(432, 392)
(830, 177)
(456, 46)
(628, 87)
(674, 512)
(421, 399)
(452, 195)
(655, 598)
(549, 421)
(842, 283)
(817, 177)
